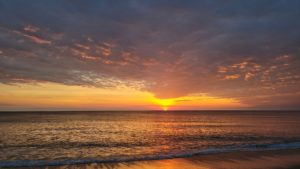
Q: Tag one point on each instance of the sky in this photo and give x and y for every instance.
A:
(149, 54)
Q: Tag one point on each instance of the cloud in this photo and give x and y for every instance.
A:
(235, 76)
(33, 38)
(30, 28)
(235, 49)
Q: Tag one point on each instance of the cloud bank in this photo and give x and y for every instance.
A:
(247, 50)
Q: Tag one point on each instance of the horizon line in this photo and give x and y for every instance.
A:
(4, 111)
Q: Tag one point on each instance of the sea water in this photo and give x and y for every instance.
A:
(58, 138)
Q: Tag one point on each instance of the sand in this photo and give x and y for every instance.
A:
(272, 159)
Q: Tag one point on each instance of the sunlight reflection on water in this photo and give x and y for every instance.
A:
(130, 135)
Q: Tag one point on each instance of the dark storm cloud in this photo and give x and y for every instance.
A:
(171, 48)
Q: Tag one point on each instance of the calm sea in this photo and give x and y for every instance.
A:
(56, 138)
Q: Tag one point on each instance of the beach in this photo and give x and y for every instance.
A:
(272, 159)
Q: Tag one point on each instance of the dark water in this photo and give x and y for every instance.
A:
(56, 138)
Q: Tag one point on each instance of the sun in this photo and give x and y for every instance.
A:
(165, 108)
(164, 103)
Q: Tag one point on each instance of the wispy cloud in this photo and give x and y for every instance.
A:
(33, 38)
(31, 28)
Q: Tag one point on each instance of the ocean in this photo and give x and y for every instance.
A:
(60, 138)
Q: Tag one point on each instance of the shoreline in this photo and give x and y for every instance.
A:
(268, 159)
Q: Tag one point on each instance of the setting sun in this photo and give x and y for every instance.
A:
(164, 103)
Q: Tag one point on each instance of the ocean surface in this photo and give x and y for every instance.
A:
(59, 138)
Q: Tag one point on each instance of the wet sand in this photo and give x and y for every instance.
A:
(273, 159)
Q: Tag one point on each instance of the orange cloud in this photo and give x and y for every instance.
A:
(222, 69)
(105, 48)
(247, 69)
(83, 55)
(33, 38)
(235, 76)
(128, 56)
(82, 46)
(30, 28)
(248, 76)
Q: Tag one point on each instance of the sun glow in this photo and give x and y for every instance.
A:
(165, 103)
(197, 102)
(51, 96)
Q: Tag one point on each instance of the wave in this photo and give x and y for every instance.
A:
(250, 147)
(75, 145)
(174, 138)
